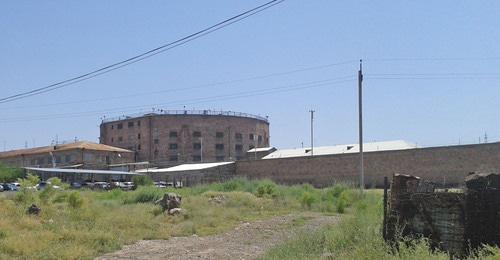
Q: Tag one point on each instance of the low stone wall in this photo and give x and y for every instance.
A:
(453, 221)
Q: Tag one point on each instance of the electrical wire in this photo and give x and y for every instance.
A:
(143, 55)
(201, 86)
(244, 94)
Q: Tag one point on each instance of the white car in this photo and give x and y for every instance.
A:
(127, 185)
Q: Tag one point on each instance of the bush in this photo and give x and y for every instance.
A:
(75, 200)
(307, 199)
(142, 180)
(266, 188)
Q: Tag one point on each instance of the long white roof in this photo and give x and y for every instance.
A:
(341, 149)
(80, 171)
(186, 167)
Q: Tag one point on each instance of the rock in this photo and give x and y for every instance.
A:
(175, 211)
(169, 201)
(33, 210)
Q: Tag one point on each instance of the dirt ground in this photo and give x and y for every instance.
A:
(246, 241)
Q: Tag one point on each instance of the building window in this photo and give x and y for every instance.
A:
(139, 123)
(41, 160)
(196, 146)
(260, 139)
(112, 140)
(172, 134)
(138, 136)
(120, 139)
(119, 126)
(172, 146)
(219, 134)
(238, 136)
(238, 147)
(58, 159)
(156, 141)
(196, 134)
(219, 158)
(67, 158)
(138, 147)
(196, 158)
(112, 127)
(219, 147)
(250, 136)
(130, 124)
(173, 158)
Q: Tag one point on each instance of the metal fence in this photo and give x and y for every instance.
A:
(159, 112)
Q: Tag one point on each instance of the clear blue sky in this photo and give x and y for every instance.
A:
(47, 41)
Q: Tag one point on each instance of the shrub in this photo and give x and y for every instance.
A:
(266, 188)
(307, 199)
(142, 180)
(75, 200)
(341, 205)
(26, 194)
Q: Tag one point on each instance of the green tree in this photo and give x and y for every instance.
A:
(10, 173)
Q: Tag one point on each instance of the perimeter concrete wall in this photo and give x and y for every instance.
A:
(446, 165)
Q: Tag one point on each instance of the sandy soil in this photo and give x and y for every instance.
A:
(246, 241)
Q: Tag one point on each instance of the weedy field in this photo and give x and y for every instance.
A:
(84, 224)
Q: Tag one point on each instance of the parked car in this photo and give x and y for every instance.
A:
(1, 188)
(101, 185)
(76, 185)
(9, 187)
(41, 185)
(160, 184)
(127, 185)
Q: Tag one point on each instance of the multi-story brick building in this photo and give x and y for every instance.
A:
(166, 138)
(83, 154)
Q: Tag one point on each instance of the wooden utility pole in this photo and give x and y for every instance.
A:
(360, 103)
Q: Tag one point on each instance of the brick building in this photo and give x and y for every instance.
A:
(167, 138)
(83, 154)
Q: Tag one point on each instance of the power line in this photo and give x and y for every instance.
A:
(287, 88)
(143, 55)
(258, 77)
(442, 59)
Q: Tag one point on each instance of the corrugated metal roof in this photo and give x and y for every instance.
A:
(80, 171)
(186, 167)
(342, 149)
(261, 149)
(63, 147)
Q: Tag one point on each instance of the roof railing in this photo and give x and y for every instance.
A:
(159, 112)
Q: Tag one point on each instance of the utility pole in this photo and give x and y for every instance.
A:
(312, 132)
(360, 103)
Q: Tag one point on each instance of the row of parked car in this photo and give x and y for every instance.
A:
(98, 185)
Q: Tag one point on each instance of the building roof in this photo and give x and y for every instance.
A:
(261, 149)
(186, 167)
(63, 147)
(342, 149)
(81, 171)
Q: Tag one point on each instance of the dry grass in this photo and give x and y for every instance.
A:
(101, 222)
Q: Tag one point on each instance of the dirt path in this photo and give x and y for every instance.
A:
(247, 241)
